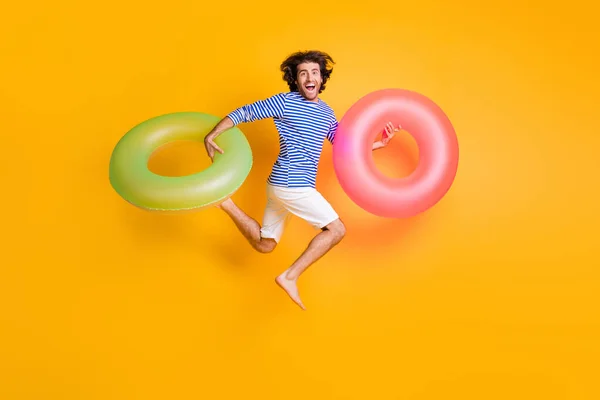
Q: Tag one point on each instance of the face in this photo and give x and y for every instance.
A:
(309, 80)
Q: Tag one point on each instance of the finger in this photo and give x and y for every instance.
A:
(213, 147)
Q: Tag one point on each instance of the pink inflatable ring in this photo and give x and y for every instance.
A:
(353, 160)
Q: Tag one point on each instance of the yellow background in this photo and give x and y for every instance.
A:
(492, 294)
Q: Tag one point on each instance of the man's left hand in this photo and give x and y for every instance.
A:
(389, 133)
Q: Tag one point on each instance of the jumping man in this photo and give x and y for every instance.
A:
(303, 122)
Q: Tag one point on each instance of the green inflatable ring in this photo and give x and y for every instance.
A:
(133, 181)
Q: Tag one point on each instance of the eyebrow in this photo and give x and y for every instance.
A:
(304, 69)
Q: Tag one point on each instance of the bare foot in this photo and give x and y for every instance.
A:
(290, 287)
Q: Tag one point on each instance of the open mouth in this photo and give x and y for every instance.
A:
(310, 87)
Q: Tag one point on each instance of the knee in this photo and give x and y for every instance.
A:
(340, 232)
(265, 245)
(338, 229)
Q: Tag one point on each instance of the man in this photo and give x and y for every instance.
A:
(303, 122)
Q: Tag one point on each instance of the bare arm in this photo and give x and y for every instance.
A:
(209, 140)
(378, 145)
(222, 126)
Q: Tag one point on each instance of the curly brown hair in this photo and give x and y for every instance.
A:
(289, 67)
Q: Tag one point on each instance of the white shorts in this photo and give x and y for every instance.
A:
(306, 203)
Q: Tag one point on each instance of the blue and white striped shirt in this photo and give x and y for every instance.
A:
(303, 127)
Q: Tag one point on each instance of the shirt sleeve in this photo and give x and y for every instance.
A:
(271, 107)
(332, 131)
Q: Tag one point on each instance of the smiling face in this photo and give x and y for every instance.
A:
(308, 80)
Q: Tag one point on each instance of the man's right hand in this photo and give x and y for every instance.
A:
(209, 139)
(211, 147)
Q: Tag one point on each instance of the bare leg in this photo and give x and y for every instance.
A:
(331, 235)
(248, 227)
